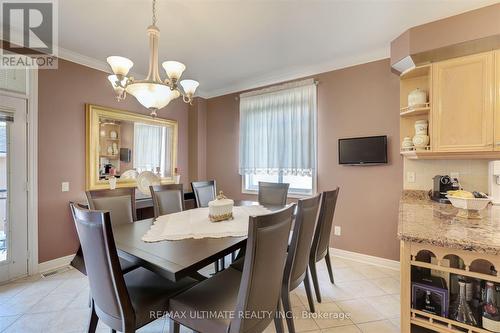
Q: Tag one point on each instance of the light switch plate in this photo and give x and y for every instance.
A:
(65, 187)
(337, 230)
(410, 177)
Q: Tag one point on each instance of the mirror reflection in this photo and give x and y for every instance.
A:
(123, 145)
(127, 148)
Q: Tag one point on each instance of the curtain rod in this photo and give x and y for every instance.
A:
(278, 87)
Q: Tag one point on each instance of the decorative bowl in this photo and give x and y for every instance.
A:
(145, 179)
(469, 207)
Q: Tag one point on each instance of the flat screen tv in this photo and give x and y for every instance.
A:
(363, 151)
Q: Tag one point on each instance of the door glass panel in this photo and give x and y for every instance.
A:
(13, 80)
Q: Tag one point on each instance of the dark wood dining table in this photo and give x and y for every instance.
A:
(172, 259)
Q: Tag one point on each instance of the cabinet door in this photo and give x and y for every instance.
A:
(462, 107)
(497, 100)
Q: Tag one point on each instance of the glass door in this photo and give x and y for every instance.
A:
(13, 188)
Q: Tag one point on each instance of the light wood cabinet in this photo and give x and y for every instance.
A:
(497, 101)
(463, 104)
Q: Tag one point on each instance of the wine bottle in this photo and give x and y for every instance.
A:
(461, 310)
(491, 313)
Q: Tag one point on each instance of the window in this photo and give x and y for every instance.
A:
(152, 148)
(278, 137)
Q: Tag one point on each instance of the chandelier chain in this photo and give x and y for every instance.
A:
(154, 12)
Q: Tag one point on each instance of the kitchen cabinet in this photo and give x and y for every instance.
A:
(463, 104)
(496, 96)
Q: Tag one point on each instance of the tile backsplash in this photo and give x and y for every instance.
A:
(472, 174)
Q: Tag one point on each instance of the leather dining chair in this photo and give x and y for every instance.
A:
(167, 199)
(255, 290)
(321, 244)
(296, 270)
(120, 203)
(204, 192)
(124, 302)
(273, 194)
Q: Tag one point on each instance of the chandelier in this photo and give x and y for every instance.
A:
(152, 92)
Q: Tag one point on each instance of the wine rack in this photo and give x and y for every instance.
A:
(410, 257)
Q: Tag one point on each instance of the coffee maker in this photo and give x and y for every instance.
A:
(443, 184)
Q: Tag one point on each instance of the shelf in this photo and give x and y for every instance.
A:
(110, 156)
(441, 324)
(110, 139)
(405, 112)
(457, 271)
(444, 155)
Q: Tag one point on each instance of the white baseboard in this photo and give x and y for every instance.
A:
(366, 259)
(51, 265)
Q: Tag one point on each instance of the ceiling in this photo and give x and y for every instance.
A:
(232, 45)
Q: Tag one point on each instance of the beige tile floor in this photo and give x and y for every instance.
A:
(59, 304)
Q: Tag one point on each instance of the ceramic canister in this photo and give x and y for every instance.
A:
(417, 97)
(407, 143)
(421, 127)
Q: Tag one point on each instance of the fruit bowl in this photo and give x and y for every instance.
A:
(469, 207)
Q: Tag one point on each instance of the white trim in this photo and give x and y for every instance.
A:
(33, 172)
(366, 259)
(54, 264)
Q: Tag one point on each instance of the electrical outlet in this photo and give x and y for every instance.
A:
(65, 187)
(410, 177)
(337, 230)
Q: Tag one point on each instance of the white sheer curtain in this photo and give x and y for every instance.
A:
(278, 130)
(148, 147)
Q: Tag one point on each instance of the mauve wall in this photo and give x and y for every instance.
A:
(61, 151)
(357, 101)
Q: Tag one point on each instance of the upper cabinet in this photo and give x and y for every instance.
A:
(462, 114)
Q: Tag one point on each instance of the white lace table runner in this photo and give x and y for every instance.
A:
(194, 223)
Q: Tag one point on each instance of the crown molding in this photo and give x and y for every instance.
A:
(284, 75)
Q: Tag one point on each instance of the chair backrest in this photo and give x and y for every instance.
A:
(273, 194)
(107, 286)
(260, 286)
(204, 192)
(321, 240)
(119, 202)
(167, 199)
(300, 247)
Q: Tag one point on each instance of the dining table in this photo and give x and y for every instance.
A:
(172, 259)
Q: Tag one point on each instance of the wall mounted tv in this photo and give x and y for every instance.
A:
(369, 150)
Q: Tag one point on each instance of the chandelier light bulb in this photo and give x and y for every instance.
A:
(120, 65)
(174, 69)
(189, 86)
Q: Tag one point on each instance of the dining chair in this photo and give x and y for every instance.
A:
(120, 203)
(204, 191)
(321, 243)
(255, 290)
(273, 194)
(167, 199)
(124, 302)
(296, 270)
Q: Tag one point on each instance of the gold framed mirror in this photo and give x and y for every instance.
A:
(125, 144)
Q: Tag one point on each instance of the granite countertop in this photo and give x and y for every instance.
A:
(422, 220)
